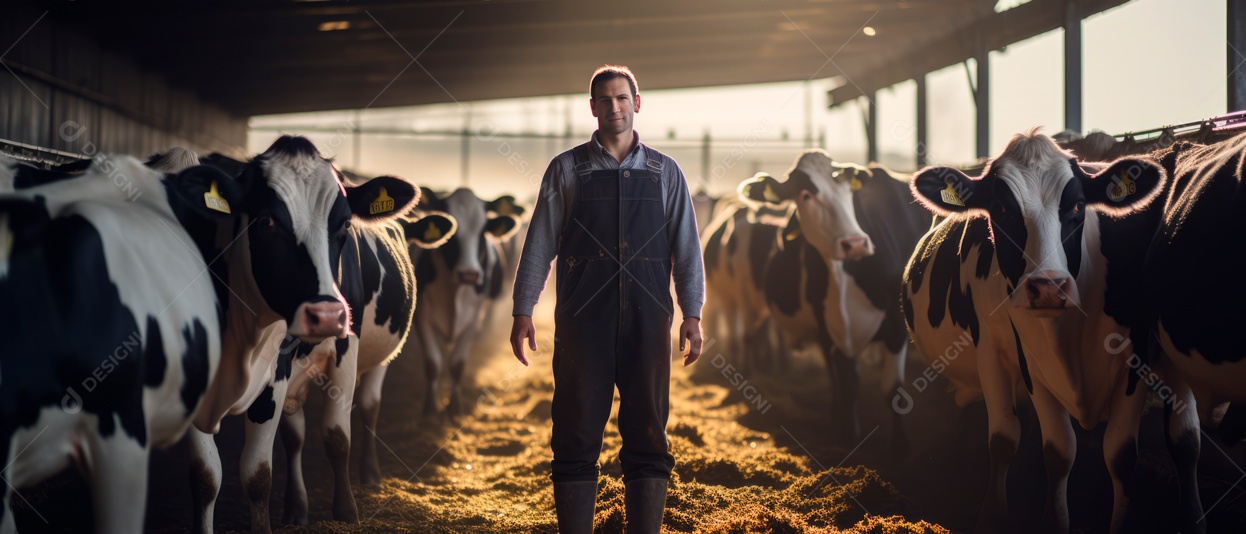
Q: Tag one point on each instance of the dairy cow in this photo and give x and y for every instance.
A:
(836, 280)
(737, 245)
(458, 284)
(1194, 321)
(280, 262)
(113, 331)
(1034, 277)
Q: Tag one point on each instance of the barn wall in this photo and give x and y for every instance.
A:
(66, 93)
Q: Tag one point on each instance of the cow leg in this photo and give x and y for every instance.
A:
(336, 431)
(205, 479)
(1059, 450)
(1004, 431)
(844, 390)
(1120, 447)
(458, 363)
(432, 365)
(892, 379)
(256, 465)
(119, 483)
(293, 434)
(370, 409)
(1183, 440)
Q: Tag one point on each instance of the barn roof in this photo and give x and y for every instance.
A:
(262, 57)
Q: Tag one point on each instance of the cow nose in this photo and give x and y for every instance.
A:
(323, 320)
(854, 248)
(469, 277)
(1048, 291)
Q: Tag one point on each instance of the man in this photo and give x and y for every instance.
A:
(619, 219)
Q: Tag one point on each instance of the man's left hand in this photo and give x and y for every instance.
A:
(690, 330)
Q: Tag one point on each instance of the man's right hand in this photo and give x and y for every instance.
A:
(522, 329)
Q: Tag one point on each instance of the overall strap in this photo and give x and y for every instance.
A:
(583, 160)
(653, 162)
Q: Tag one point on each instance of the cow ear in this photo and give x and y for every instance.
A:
(430, 231)
(381, 198)
(790, 231)
(856, 177)
(505, 205)
(943, 190)
(502, 226)
(205, 191)
(762, 189)
(1123, 187)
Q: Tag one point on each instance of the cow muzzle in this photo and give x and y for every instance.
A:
(1048, 291)
(317, 321)
(853, 248)
(469, 277)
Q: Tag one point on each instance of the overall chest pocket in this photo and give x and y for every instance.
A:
(598, 186)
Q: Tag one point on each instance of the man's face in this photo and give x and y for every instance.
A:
(614, 106)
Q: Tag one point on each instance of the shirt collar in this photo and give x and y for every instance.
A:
(600, 150)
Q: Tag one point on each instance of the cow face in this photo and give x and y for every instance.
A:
(822, 192)
(1036, 197)
(468, 250)
(297, 217)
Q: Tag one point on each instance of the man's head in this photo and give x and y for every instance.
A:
(614, 98)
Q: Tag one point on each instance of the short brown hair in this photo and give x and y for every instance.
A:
(606, 73)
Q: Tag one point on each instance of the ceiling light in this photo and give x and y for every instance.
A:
(869, 31)
(334, 25)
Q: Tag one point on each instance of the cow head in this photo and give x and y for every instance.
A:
(467, 249)
(297, 213)
(1036, 197)
(822, 192)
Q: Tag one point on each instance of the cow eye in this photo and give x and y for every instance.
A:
(998, 207)
(805, 196)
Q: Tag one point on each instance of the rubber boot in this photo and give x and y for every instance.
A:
(574, 503)
(645, 502)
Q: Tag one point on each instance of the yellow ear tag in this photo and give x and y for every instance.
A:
(382, 204)
(950, 196)
(214, 201)
(1122, 186)
(432, 233)
(768, 193)
(855, 184)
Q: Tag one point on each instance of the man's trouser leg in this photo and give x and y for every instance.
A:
(643, 374)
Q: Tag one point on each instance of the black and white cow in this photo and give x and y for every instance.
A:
(282, 260)
(737, 246)
(378, 281)
(1195, 319)
(836, 280)
(112, 330)
(458, 285)
(1039, 265)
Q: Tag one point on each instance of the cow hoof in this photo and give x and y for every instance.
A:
(294, 517)
(370, 475)
(346, 512)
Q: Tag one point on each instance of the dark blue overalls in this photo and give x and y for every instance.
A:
(613, 322)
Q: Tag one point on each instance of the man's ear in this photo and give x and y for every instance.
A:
(637, 109)
(763, 190)
(1124, 186)
(381, 198)
(505, 205)
(502, 226)
(943, 190)
(430, 231)
(205, 191)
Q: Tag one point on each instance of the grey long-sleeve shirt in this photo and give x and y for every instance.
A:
(553, 206)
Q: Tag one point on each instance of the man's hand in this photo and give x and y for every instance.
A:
(523, 329)
(690, 330)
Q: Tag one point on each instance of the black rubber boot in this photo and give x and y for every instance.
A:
(574, 503)
(645, 501)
